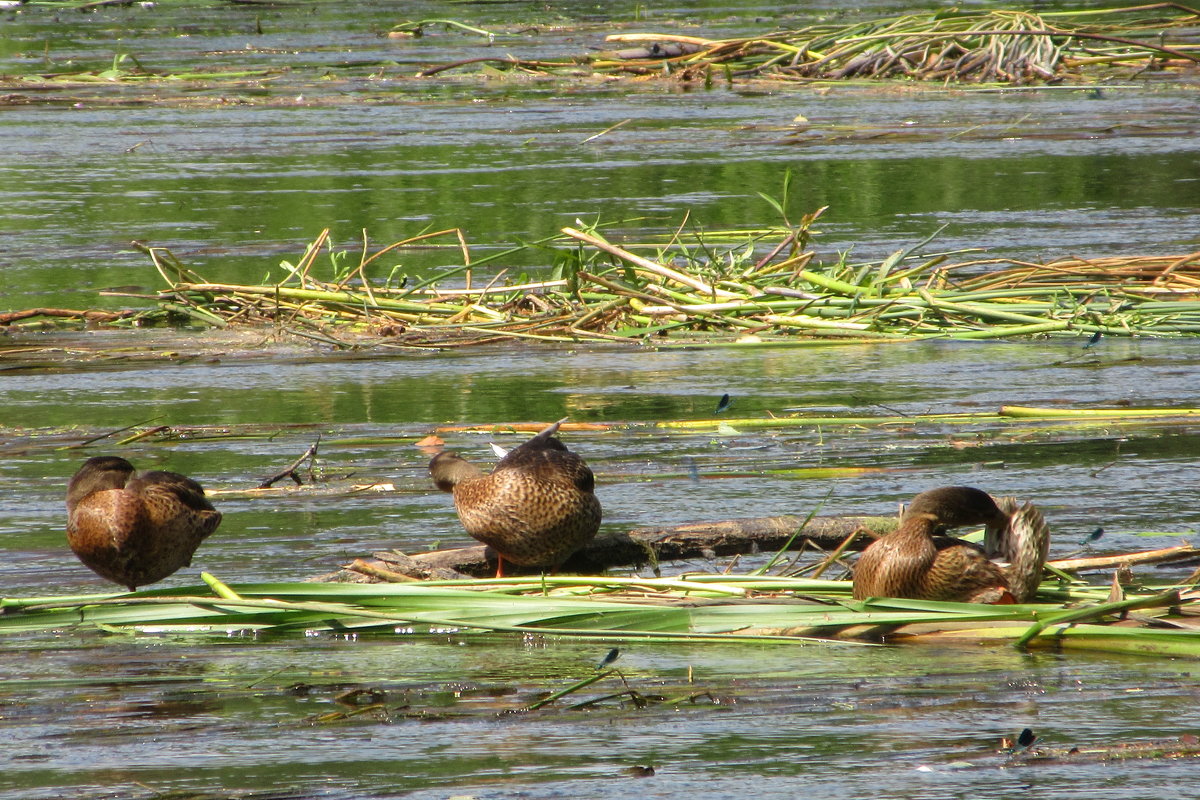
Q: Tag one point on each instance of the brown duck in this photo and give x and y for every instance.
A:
(916, 561)
(535, 508)
(135, 528)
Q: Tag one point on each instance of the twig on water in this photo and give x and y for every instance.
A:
(290, 471)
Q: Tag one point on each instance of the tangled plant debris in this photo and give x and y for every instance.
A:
(952, 45)
(713, 288)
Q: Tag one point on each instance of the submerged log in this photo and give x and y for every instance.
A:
(86, 315)
(636, 547)
(1186, 746)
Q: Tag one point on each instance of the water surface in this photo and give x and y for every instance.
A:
(239, 179)
(244, 177)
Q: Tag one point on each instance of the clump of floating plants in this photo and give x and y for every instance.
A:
(752, 288)
(697, 608)
(127, 69)
(752, 291)
(1002, 46)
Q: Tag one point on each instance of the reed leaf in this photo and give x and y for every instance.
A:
(794, 610)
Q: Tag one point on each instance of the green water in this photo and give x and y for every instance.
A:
(242, 178)
(934, 726)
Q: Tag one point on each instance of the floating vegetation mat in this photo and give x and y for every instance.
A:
(745, 293)
(695, 607)
(1000, 47)
(696, 292)
(995, 46)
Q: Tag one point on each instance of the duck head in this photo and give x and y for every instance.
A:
(97, 475)
(448, 469)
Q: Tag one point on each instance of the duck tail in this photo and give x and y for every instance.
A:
(996, 539)
(1026, 545)
(546, 434)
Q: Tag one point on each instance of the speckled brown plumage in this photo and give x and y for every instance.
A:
(914, 561)
(135, 528)
(535, 508)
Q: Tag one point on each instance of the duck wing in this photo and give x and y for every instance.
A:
(894, 565)
(176, 507)
(963, 574)
(182, 488)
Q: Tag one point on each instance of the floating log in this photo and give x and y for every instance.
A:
(1186, 746)
(708, 540)
(637, 547)
(396, 567)
(1117, 560)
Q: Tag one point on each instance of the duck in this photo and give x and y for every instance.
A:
(917, 561)
(135, 528)
(534, 509)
